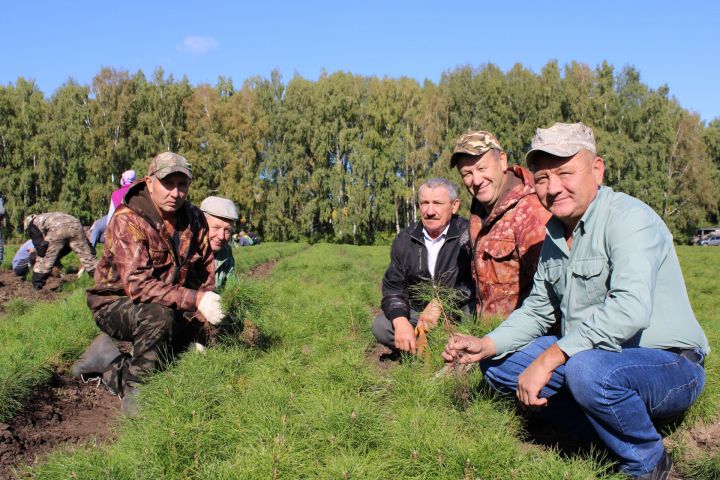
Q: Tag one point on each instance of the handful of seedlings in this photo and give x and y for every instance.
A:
(243, 301)
(443, 302)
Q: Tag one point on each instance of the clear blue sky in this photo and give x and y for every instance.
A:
(673, 43)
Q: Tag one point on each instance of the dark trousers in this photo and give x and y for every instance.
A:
(156, 333)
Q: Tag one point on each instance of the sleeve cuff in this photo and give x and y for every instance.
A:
(574, 343)
(397, 312)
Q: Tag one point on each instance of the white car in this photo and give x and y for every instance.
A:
(712, 240)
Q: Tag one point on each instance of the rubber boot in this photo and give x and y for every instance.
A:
(39, 279)
(97, 357)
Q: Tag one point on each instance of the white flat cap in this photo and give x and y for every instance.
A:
(219, 207)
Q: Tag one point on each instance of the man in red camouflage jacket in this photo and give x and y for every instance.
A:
(507, 223)
(156, 272)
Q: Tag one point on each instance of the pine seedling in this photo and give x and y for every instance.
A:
(243, 301)
(445, 299)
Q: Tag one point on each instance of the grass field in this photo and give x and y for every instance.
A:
(312, 404)
(38, 338)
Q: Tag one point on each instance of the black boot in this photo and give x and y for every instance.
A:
(39, 279)
(97, 357)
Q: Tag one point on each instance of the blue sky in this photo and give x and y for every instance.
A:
(673, 43)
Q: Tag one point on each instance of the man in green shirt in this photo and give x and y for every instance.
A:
(630, 349)
(221, 214)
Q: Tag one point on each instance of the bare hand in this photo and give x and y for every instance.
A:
(404, 335)
(530, 382)
(537, 375)
(466, 349)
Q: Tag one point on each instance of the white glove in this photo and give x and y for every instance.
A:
(211, 309)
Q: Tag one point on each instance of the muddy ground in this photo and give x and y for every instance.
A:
(13, 288)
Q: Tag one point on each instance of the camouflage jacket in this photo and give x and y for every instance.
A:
(140, 260)
(506, 245)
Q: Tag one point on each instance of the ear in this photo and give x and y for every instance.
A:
(598, 170)
(455, 205)
(503, 161)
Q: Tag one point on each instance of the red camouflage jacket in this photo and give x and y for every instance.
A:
(506, 245)
(140, 260)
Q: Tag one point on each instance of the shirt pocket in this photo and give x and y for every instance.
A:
(552, 275)
(498, 264)
(590, 280)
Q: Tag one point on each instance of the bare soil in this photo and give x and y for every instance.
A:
(262, 271)
(13, 287)
(66, 412)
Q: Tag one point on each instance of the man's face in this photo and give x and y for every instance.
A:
(436, 209)
(168, 194)
(219, 232)
(484, 175)
(566, 186)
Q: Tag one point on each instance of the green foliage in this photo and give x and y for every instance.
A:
(340, 159)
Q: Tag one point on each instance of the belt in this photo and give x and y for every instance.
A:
(690, 354)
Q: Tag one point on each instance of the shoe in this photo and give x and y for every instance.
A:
(129, 406)
(96, 358)
(661, 470)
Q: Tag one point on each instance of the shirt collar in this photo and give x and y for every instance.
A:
(442, 235)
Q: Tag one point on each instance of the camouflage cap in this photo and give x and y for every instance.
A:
(219, 207)
(27, 221)
(561, 140)
(166, 163)
(474, 142)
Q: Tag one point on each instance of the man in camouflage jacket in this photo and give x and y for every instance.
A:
(155, 274)
(54, 235)
(507, 223)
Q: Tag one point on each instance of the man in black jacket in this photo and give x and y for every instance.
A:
(435, 250)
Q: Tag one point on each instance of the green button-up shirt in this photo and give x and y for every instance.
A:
(224, 266)
(620, 285)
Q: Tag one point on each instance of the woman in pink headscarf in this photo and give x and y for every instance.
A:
(127, 179)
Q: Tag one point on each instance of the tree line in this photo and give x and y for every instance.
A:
(340, 158)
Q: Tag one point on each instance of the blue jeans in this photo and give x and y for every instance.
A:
(618, 393)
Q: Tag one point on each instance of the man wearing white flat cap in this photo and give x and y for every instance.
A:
(220, 214)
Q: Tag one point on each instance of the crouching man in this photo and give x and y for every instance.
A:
(437, 249)
(220, 214)
(630, 350)
(154, 284)
(54, 235)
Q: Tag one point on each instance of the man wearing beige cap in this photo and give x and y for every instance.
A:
(154, 284)
(630, 349)
(507, 223)
(220, 214)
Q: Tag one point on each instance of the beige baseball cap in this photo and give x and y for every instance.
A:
(561, 140)
(474, 142)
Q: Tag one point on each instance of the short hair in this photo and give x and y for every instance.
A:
(440, 182)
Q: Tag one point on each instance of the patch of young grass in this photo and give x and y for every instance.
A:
(248, 257)
(706, 468)
(33, 342)
(311, 405)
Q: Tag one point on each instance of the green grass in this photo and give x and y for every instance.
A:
(37, 338)
(311, 404)
(249, 257)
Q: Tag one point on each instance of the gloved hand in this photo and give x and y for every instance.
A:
(210, 308)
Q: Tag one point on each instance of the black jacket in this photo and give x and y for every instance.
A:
(409, 266)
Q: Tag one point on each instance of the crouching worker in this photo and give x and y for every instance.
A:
(154, 283)
(24, 259)
(220, 214)
(631, 350)
(54, 235)
(436, 250)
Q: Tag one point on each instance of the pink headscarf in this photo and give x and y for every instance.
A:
(127, 178)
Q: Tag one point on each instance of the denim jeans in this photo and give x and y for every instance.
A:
(619, 394)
